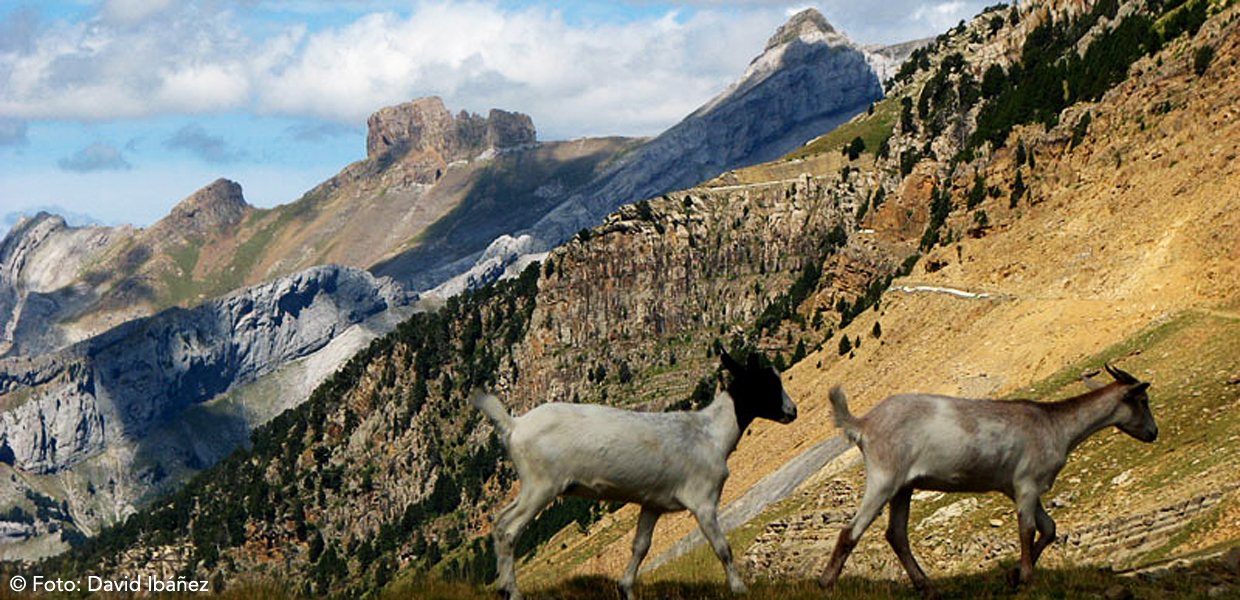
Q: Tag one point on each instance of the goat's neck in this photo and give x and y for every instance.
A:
(1079, 417)
(725, 427)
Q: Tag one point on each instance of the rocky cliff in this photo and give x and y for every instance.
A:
(107, 395)
(63, 407)
(40, 260)
(425, 127)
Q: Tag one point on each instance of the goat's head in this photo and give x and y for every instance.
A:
(758, 391)
(1133, 410)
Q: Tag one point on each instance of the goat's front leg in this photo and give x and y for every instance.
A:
(641, 544)
(708, 520)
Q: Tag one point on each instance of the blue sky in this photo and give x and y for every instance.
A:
(115, 110)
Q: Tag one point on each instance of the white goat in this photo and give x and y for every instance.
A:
(663, 461)
(922, 441)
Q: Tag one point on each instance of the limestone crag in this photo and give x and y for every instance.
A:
(805, 23)
(207, 212)
(424, 134)
(40, 260)
(119, 384)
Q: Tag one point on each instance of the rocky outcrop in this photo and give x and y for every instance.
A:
(41, 259)
(425, 134)
(64, 407)
(209, 211)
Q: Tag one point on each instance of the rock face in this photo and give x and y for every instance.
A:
(809, 79)
(207, 212)
(40, 260)
(434, 138)
(64, 407)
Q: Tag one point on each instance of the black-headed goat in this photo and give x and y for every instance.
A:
(663, 461)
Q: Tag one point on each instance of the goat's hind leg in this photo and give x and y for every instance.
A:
(1046, 532)
(508, 525)
(641, 545)
(878, 491)
(897, 537)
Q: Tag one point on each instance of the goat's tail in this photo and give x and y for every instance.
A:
(843, 418)
(494, 410)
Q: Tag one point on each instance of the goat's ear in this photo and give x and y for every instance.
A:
(1091, 384)
(730, 364)
(1145, 385)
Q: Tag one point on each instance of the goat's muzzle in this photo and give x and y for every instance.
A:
(1148, 435)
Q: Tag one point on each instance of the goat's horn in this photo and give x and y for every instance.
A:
(1120, 375)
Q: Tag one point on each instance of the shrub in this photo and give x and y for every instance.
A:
(993, 81)
(978, 192)
(906, 115)
(855, 148)
(1018, 190)
(908, 160)
(1079, 131)
(1202, 58)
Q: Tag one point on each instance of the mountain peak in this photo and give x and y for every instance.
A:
(218, 205)
(806, 22)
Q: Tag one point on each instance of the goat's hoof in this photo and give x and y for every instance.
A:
(626, 593)
(738, 587)
(1016, 579)
(826, 583)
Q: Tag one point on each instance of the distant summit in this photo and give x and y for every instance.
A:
(806, 23)
(210, 210)
(425, 124)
